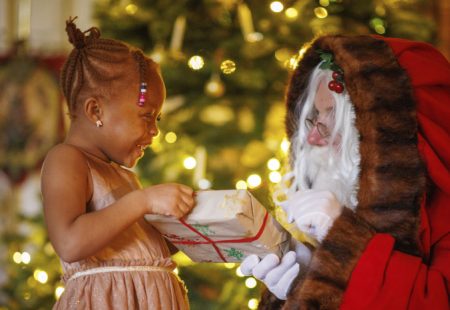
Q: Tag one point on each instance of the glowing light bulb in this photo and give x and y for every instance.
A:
(17, 257)
(196, 62)
(228, 66)
(204, 184)
(131, 9)
(239, 272)
(171, 137)
(241, 184)
(275, 177)
(254, 180)
(276, 6)
(380, 29)
(190, 163)
(26, 258)
(253, 303)
(291, 13)
(250, 282)
(58, 291)
(40, 276)
(285, 145)
(273, 164)
(321, 12)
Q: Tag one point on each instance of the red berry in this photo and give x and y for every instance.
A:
(339, 88)
(336, 75)
(332, 85)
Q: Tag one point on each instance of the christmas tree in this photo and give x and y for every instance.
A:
(226, 65)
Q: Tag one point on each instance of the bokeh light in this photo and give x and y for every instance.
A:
(241, 184)
(253, 303)
(26, 258)
(239, 272)
(170, 137)
(189, 163)
(321, 12)
(254, 180)
(17, 257)
(196, 62)
(275, 177)
(58, 291)
(291, 13)
(228, 66)
(285, 145)
(131, 9)
(40, 276)
(250, 282)
(204, 184)
(276, 6)
(273, 164)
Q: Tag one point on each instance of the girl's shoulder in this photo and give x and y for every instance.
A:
(64, 161)
(65, 166)
(65, 154)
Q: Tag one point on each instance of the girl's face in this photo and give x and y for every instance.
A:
(129, 128)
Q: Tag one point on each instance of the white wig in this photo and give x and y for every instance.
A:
(343, 159)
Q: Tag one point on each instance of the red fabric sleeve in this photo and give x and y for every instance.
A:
(388, 279)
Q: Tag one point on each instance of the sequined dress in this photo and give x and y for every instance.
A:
(134, 271)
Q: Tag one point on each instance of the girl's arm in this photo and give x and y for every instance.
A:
(76, 234)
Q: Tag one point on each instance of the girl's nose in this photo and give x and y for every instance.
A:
(154, 130)
(314, 138)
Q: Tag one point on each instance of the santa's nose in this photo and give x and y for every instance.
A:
(314, 138)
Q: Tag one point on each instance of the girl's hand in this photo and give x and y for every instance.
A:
(313, 211)
(168, 199)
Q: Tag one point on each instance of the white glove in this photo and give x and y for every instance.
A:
(313, 211)
(277, 276)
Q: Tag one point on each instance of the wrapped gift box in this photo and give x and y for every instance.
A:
(224, 226)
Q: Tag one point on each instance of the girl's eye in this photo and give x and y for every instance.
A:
(158, 118)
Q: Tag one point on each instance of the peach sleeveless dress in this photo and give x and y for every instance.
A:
(134, 271)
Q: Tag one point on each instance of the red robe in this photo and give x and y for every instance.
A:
(383, 277)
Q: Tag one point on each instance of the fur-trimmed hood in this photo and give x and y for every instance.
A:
(392, 180)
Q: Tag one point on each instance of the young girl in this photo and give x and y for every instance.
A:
(111, 258)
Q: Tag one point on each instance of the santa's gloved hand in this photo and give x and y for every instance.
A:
(313, 211)
(277, 276)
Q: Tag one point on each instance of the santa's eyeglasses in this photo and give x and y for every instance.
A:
(322, 129)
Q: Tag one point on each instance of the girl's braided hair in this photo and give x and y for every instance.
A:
(97, 65)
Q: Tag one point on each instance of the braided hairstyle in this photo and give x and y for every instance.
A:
(97, 66)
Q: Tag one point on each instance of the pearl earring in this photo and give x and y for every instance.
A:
(98, 123)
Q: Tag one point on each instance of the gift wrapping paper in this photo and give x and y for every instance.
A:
(224, 226)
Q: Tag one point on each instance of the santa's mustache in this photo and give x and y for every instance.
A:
(323, 171)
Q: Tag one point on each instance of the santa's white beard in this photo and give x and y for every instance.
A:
(325, 174)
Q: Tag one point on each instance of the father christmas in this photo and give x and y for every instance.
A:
(369, 124)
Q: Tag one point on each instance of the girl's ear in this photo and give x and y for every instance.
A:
(93, 109)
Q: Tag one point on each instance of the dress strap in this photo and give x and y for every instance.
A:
(108, 269)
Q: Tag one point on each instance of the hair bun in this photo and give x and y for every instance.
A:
(76, 37)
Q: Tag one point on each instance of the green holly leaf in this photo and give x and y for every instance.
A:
(327, 57)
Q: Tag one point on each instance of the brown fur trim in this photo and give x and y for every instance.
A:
(269, 301)
(392, 175)
(332, 264)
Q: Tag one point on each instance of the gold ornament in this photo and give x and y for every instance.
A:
(228, 66)
(217, 114)
(215, 87)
